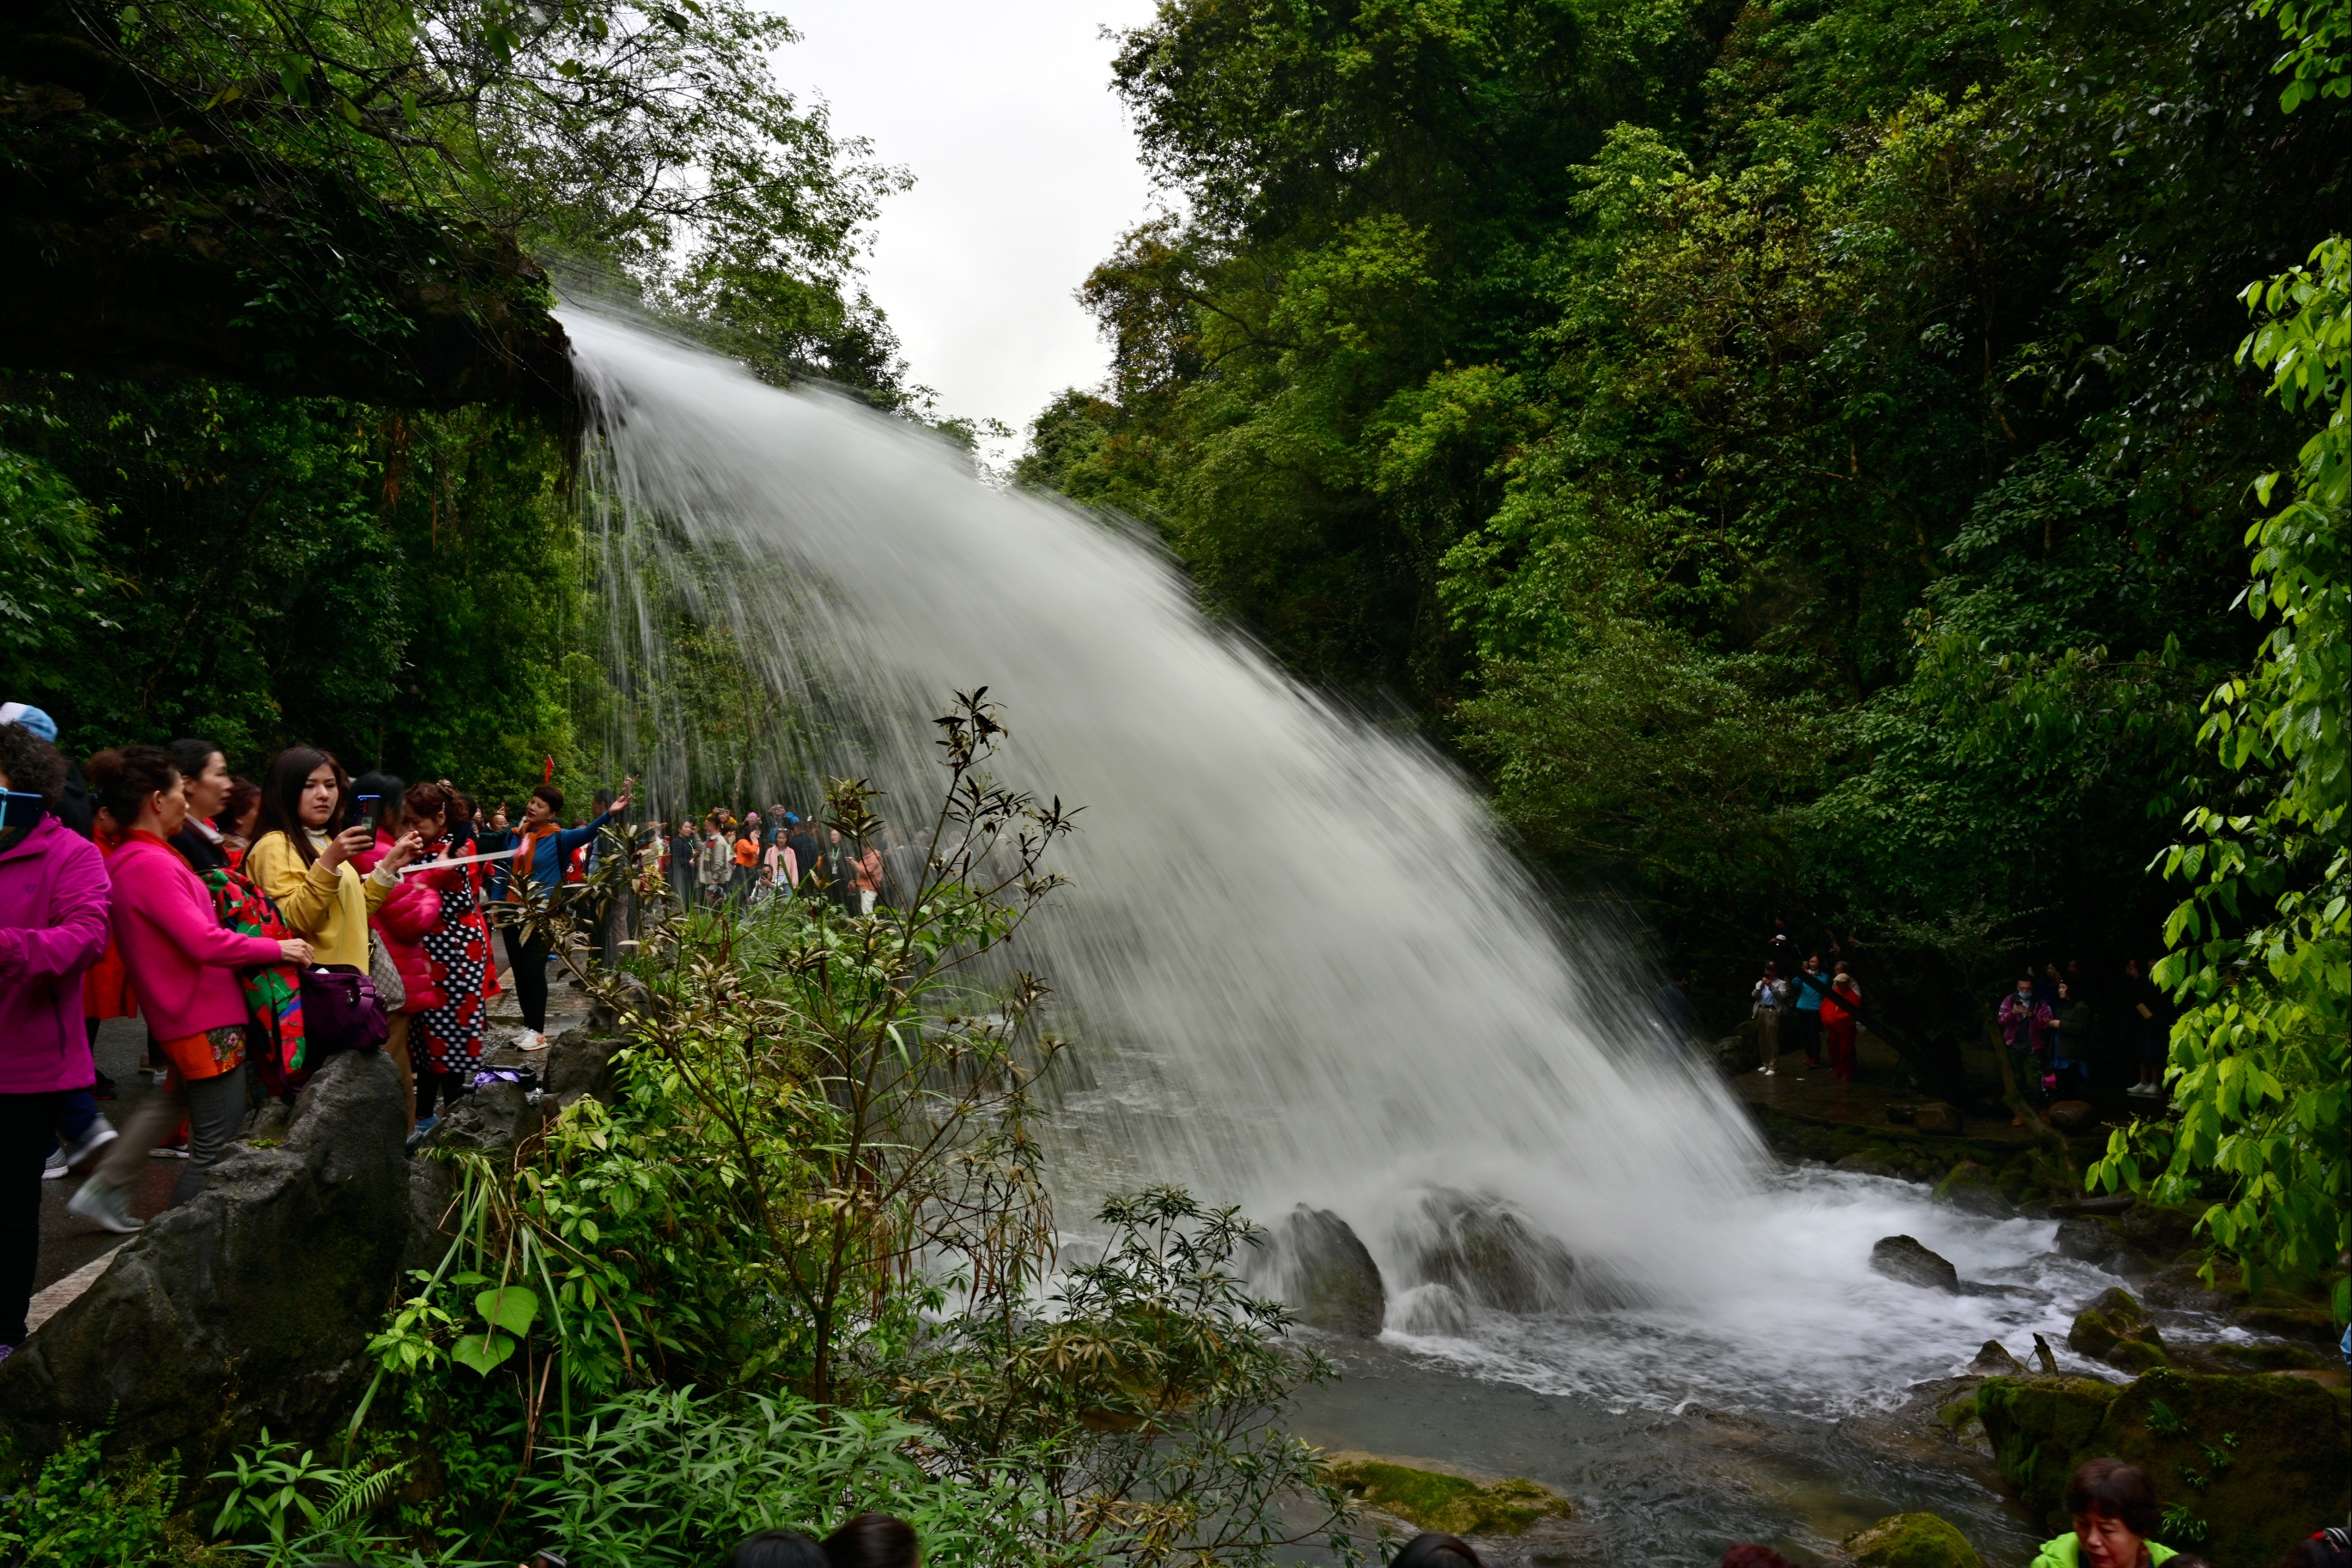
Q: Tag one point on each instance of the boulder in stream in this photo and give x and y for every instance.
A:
(1905, 1258)
(1940, 1118)
(250, 1305)
(2114, 1329)
(1993, 1360)
(1325, 1272)
(1490, 1255)
(1912, 1541)
(1456, 1504)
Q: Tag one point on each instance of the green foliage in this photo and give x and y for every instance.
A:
(2262, 1061)
(1825, 408)
(403, 589)
(303, 1507)
(82, 1511)
(666, 1476)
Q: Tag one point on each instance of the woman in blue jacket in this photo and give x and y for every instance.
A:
(543, 849)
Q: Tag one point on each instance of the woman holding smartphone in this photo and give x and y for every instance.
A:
(303, 857)
(183, 966)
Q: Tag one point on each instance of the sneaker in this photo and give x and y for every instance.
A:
(103, 1089)
(168, 1152)
(55, 1171)
(104, 1206)
(84, 1154)
(420, 1133)
(530, 1040)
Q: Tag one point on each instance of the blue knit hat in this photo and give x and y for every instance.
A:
(32, 718)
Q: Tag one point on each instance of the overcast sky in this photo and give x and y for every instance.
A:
(1025, 177)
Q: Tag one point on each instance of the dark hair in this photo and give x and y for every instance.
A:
(281, 796)
(2329, 1548)
(387, 788)
(461, 807)
(874, 1540)
(1747, 1555)
(1433, 1550)
(191, 755)
(776, 1549)
(2112, 1490)
(123, 779)
(429, 800)
(33, 765)
(553, 795)
(242, 794)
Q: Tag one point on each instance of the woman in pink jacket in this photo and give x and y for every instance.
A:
(53, 897)
(183, 964)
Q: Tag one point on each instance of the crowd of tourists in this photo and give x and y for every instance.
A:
(2048, 1021)
(722, 860)
(253, 927)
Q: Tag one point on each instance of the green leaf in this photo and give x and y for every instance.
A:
(511, 1307)
(483, 1352)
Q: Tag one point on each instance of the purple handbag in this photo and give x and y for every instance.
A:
(341, 1012)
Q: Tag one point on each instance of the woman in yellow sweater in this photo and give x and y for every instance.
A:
(308, 872)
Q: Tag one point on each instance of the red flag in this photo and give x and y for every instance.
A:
(547, 773)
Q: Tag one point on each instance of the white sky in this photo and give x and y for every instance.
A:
(1026, 175)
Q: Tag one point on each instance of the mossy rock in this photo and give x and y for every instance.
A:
(1454, 1504)
(1912, 1541)
(2253, 1459)
(2114, 1329)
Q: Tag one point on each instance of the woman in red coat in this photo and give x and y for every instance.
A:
(1837, 1021)
(432, 927)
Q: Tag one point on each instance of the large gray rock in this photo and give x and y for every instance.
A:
(1902, 1257)
(1326, 1274)
(249, 1306)
(1490, 1255)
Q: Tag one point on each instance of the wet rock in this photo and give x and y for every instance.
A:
(1903, 1258)
(2086, 1240)
(579, 1061)
(2290, 1320)
(494, 1118)
(265, 1124)
(2114, 1329)
(2155, 1231)
(1902, 1113)
(2073, 1115)
(1970, 1188)
(1939, 1118)
(1867, 1164)
(2284, 1446)
(1993, 1360)
(1912, 1541)
(1456, 1504)
(249, 1306)
(1489, 1254)
(1328, 1275)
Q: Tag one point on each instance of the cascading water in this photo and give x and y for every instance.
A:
(1302, 964)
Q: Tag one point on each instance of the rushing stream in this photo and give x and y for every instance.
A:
(1304, 965)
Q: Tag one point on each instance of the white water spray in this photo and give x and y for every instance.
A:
(1301, 962)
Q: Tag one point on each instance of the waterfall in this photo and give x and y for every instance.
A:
(1300, 962)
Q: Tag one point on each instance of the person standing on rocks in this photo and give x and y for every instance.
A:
(1806, 1014)
(183, 965)
(543, 852)
(1772, 994)
(431, 932)
(54, 924)
(1838, 1021)
(2026, 1023)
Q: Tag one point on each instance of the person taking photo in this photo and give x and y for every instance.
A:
(543, 850)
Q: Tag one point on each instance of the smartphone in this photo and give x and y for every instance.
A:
(20, 812)
(371, 807)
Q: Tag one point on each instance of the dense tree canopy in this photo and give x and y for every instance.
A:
(1793, 450)
(338, 197)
